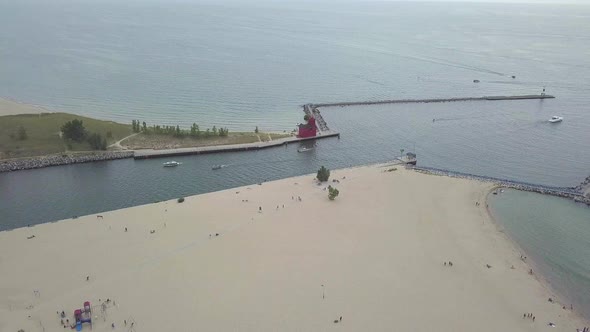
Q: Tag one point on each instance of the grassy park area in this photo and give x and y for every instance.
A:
(42, 134)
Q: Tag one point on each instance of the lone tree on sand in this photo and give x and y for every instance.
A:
(74, 130)
(323, 174)
(332, 193)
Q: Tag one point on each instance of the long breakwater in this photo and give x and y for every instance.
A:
(431, 100)
(567, 192)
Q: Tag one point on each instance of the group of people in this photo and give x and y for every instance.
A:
(529, 315)
(449, 263)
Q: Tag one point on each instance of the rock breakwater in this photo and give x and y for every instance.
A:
(62, 159)
(574, 193)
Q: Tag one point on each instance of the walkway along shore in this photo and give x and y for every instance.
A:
(434, 100)
(149, 153)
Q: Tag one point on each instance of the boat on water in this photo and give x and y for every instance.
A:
(216, 167)
(171, 163)
(304, 149)
(555, 119)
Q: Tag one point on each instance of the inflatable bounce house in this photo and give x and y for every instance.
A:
(83, 315)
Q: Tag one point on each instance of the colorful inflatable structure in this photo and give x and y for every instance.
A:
(82, 316)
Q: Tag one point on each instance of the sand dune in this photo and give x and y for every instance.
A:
(378, 250)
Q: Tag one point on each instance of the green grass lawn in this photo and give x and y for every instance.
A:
(43, 134)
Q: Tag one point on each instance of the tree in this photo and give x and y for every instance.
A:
(207, 133)
(332, 193)
(22, 133)
(214, 130)
(144, 127)
(306, 117)
(256, 130)
(194, 130)
(97, 142)
(323, 174)
(74, 130)
(177, 132)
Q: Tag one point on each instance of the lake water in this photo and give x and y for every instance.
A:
(243, 65)
(555, 234)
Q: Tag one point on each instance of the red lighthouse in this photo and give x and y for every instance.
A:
(309, 129)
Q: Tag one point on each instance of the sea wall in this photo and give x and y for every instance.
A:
(567, 192)
(64, 159)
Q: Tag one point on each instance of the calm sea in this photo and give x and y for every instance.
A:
(244, 65)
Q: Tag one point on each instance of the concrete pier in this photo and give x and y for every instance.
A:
(434, 100)
(150, 153)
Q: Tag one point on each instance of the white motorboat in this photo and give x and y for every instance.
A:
(171, 163)
(216, 167)
(304, 149)
(555, 119)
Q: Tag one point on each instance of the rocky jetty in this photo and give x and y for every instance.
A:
(575, 193)
(63, 159)
(584, 187)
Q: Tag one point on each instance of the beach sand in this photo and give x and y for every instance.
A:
(9, 107)
(373, 256)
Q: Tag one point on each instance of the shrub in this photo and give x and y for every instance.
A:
(22, 133)
(180, 200)
(74, 130)
(332, 193)
(97, 142)
(323, 174)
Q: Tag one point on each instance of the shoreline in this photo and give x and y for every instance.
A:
(356, 245)
(529, 263)
(61, 159)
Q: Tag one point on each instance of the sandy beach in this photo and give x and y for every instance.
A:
(9, 107)
(375, 259)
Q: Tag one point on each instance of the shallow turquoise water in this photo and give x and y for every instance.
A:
(554, 233)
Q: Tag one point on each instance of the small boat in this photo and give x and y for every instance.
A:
(171, 163)
(216, 167)
(475, 81)
(555, 119)
(304, 149)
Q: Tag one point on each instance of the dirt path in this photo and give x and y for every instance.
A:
(117, 144)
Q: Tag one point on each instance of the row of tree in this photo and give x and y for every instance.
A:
(74, 130)
(175, 131)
